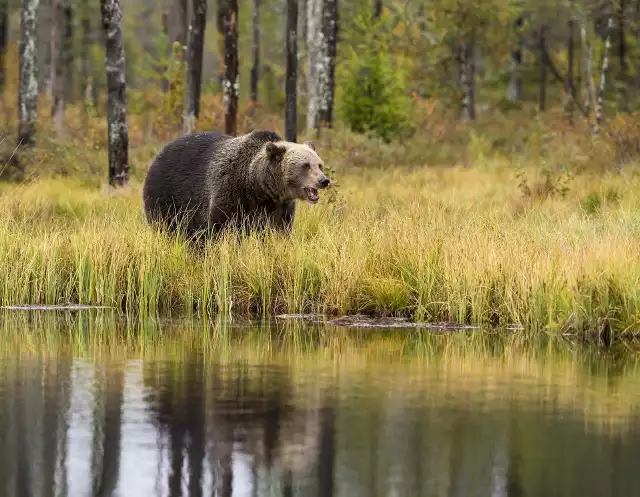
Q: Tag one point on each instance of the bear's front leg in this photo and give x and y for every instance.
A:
(281, 219)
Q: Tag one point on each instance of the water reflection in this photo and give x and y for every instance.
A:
(193, 423)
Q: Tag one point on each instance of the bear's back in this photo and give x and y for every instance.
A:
(176, 179)
(182, 174)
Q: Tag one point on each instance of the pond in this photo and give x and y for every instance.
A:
(95, 405)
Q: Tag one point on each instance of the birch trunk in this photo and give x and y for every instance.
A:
(255, 52)
(67, 48)
(28, 81)
(54, 49)
(603, 74)
(471, 90)
(622, 55)
(87, 42)
(231, 82)
(326, 76)
(542, 98)
(569, 85)
(587, 52)
(4, 39)
(514, 91)
(61, 61)
(314, 50)
(164, 67)
(377, 9)
(179, 28)
(118, 135)
(290, 119)
(194, 75)
(221, 15)
(466, 79)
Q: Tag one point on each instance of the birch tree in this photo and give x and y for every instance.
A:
(85, 56)
(603, 75)
(118, 135)
(290, 113)
(195, 52)
(54, 48)
(542, 42)
(514, 90)
(622, 55)
(466, 61)
(569, 84)
(28, 80)
(377, 9)
(314, 63)
(255, 52)
(231, 82)
(326, 77)
(587, 54)
(4, 39)
(61, 59)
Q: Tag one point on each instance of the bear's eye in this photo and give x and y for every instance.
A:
(306, 165)
(321, 167)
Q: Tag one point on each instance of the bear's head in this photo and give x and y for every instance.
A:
(302, 169)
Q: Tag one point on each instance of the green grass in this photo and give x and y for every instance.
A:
(466, 245)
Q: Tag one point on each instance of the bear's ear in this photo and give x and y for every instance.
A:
(311, 145)
(275, 151)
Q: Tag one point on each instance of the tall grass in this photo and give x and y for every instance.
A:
(456, 244)
(511, 219)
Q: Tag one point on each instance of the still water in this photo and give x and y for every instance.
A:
(91, 406)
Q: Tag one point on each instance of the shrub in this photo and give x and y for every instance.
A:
(374, 98)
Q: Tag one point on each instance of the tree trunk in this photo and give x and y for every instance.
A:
(4, 39)
(87, 42)
(194, 76)
(543, 70)
(314, 50)
(514, 91)
(28, 80)
(255, 67)
(67, 49)
(471, 91)
(290, 114)
(118, 134)
(61, 60)
(569, 85)
(466, 77)
(230, 83)
(221, 9)
(164, 67)
(603, 74)
(587, 52)
(327, 75)
(54, 49)
(179, 28)
(377, 9)
(622, 55)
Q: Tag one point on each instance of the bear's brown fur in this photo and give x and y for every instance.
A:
(202, 183)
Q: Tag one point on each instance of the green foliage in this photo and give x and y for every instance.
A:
(593, 202)
(373, 94)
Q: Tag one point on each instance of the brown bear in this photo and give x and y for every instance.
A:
(203, 183)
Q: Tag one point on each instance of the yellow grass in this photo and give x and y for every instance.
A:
(438, 244)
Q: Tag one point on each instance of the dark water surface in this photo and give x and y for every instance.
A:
(93, 408)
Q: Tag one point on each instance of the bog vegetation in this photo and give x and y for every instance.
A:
(485, 155)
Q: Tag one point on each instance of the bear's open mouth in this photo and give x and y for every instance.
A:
(312, 195)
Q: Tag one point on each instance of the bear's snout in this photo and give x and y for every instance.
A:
(324, 182)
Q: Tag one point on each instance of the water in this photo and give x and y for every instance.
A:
(92, 406)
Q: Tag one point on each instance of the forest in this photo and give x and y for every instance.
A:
(485, 155)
